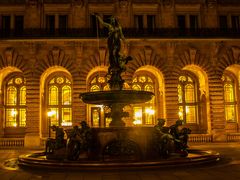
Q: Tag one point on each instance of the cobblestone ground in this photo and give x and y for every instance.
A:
(227, 169)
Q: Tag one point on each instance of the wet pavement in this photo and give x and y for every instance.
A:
(228, 168)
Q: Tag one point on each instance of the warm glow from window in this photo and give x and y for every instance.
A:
(180, 113)
(51, 113)
(180, 95)
(150, 111)
(138, 114)
(229, 98)
(11, 96)
(22, 119)
(189, 93)
(187, 99)
(23, 95)
(66, 116)
(13, 112)
(96, 116)
(136, 87)
(95, 88)
(60, 101)
(230, 112)
(15, 105)
(11, 120)
(190, 114)
(66, 95)
(137, 122)
(149, 115)
(53, 95)
(144, 113)
(228, 93)
(53, 116)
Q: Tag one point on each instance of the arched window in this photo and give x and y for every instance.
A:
(98, 83)
(98, 113)
(144, 114)
(59, 93)
(15, 104)
(187, 99)
(229, 98)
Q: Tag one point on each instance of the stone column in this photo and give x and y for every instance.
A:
(32, 136)
(171, 83)
(217, 108)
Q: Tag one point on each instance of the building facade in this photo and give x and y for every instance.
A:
(185, 51)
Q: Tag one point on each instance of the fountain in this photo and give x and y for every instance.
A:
(117, 146)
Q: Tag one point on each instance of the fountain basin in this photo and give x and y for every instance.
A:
(116, 97)
(99, 160)
(39, 161)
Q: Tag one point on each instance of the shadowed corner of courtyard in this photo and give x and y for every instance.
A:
(228, 167)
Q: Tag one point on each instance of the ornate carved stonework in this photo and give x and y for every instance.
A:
(32, 2)
(8, 55)
(123, 5)
(78, 2)
(217, 48)
(236, 52)
(168, 3)
(192, 54)
(211, 3)
(171, 46)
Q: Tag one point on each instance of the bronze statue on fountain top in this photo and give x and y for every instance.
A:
(117, 61)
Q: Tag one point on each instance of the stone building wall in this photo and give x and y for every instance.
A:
(78, 56)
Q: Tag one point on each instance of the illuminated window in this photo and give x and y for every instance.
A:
(229, 98)
(144, 114)
(187, 99)
(15, 104)
(60, 100)
(99, 83)
(95, 116)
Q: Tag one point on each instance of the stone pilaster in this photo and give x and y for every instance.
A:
(217, 108)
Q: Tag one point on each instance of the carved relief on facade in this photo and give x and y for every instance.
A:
(211, 3)
(148, 53)
(171, 47)
(168, 3)
(10, 57)
(32, 2)
(79, 3)
(236, 53)
(103, 59)
(123, 5)
(57, 56)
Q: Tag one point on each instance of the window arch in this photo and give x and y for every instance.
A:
(188, 99)
(99, 83)
(229, 98)
(144, 114)
(15, 101)
(59, 102)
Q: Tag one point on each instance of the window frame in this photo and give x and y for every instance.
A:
(15, 108)
(59, 106)
(233, 83)
(184, 104)
(147, 106)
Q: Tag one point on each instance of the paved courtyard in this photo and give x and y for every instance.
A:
(227, 169)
